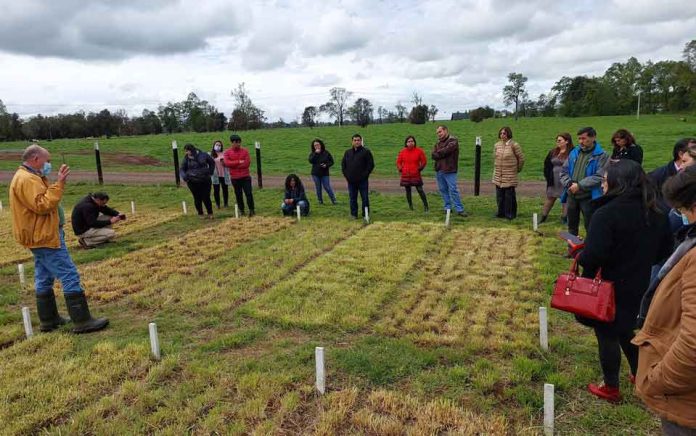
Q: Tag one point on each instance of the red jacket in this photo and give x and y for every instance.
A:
(410, 163)
(238, 161)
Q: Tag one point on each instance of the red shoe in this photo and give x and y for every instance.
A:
(605, 392)
(632, 379)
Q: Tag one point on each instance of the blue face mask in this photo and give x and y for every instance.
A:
(46, 170)
(685, 220)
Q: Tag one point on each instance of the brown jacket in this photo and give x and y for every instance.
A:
(446, 155)
(34, 206)
(509, 161)
(666, 379)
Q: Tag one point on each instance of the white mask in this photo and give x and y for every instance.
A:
(217, 148)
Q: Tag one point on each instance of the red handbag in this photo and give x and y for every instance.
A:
(589, 298)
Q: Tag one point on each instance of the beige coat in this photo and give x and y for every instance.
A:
(666, 379)
(509, 161)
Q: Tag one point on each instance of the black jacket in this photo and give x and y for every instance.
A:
(658, 177)
(317, 159)
(85, 214)
(625, 245)
(197, 169)
(633, 152)
(357, 164)
(548, 169)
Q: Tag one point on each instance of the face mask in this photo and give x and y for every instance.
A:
(217, 148)
(46, 170)
(685, 220)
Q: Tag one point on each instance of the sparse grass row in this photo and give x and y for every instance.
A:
(15, 253)
(479, 292)
(129, 274)
(347, 286)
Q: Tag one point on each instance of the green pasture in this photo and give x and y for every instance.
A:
(426, 329)
(286, 150)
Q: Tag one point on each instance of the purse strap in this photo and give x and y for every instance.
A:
(574, 271)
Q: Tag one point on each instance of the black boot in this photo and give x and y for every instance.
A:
(48, 312)
(409, 200)
(79, 312)
(543, 219)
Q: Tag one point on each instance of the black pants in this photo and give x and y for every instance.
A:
(201, 196)
(611, 343)
(353, 189)
(575, 207)
(240, 185)
(225, 192)
(421, 193)
(507, 202)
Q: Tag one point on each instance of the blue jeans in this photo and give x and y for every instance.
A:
(447, 184)
(290, 209)
(324, 181)
(353, 189)
(52, 263)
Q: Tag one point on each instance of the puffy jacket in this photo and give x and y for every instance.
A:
(446, 155)
(34, 205)
(666, 379)
(357, 164)
(592, 182)
(238, 161)
(633, 152)
(198, 168)
(509, 161)
(317, 159)
(410, 162)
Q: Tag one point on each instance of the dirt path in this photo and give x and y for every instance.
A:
(386, 185)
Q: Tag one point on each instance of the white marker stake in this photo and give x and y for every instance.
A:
(367, 216)
(447, 217)
(22, 279)
(321, 377)
(543, 329)
(183, 206)
(548, 409)
(133, 207)
(154, 341)
(26, 316)
(535, 222)
(1, 209)
(298, 212)
(236, 211)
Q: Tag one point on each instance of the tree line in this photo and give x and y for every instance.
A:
(664, 86)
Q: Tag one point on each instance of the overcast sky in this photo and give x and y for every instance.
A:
(61, 56)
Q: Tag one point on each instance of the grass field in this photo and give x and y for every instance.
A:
(427, 330)
(286, 150)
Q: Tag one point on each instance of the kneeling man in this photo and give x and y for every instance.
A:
(92, 220)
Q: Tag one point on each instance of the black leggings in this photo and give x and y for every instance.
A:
(507, 202)
(225, 192)
(201, 196)
(243, 185)
(421, 193)
(611, 343)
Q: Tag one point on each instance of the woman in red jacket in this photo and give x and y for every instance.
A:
(410, 163)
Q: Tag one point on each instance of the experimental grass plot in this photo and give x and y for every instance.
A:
(144, 219)
(426, 329)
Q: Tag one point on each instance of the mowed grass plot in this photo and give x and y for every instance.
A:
(426, 329)
(285, 151)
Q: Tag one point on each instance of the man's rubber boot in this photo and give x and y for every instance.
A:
(79, 312)
(48, 312)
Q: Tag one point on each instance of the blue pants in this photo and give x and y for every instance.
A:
(353, 189)
(324, 181)
(290, 209)
(447, 184)
(52, 263)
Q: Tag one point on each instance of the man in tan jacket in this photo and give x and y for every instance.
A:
(37, 225)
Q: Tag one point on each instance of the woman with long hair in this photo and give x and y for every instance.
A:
(625, 146)
(221, 175)
(321, 161)
(294, 197)
(553, 164)
(627, 236)
(410, 162)
(509, 161)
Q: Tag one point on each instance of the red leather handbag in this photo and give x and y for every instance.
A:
(589, 298)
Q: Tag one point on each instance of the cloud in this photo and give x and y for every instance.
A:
(323, 80)
(104, 30)
(336, 32)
